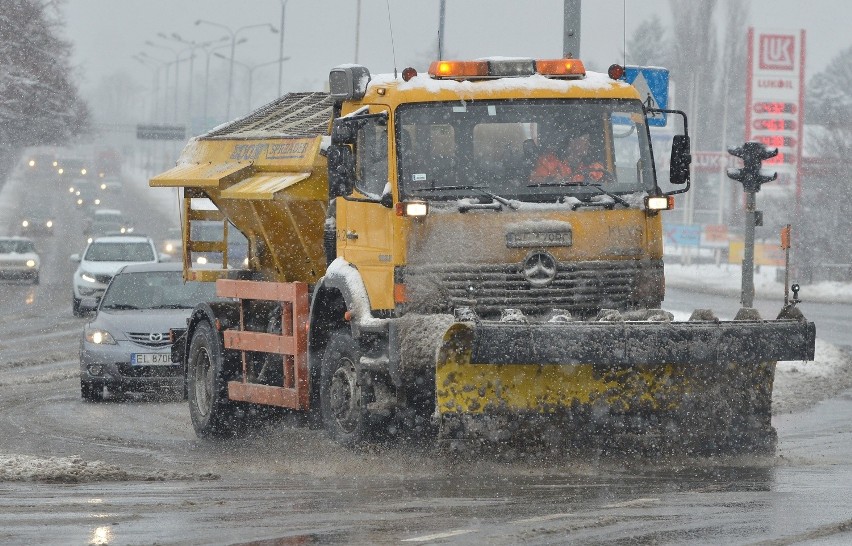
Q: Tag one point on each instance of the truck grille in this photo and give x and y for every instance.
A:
(160, 339)
(579, 287)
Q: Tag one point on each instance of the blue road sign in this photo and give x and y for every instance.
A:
(682, 234)
(653, 86)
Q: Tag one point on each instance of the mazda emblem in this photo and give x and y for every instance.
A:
(540, 269)
(155, 336)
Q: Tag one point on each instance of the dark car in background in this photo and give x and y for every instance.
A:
(127, 346)
(37, 223)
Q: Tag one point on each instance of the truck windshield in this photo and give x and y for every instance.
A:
(527, 150)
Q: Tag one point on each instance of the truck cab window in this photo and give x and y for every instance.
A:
(372, 160)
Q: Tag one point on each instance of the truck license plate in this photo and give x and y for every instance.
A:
(150, 359)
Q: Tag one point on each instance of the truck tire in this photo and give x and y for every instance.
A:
(91, 391)
(344, 409)
(213, 415)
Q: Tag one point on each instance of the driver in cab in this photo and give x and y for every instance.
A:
(568, 160)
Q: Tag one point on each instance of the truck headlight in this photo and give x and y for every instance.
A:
(663, 202)
(99, 337)
(412, 208)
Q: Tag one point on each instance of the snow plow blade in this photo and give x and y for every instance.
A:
(701, 383)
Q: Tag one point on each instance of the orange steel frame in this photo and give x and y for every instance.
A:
(292, 343)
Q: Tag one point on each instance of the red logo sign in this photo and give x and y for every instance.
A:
(776, 51)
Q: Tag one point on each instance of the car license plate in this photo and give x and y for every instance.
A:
(151, 359)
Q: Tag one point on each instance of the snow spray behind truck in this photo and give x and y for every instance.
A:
(412, 271)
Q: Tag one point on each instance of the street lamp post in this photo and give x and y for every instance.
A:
(177, 54)
(192, 47)
(233, 34)
(207, 53)
(155, 81)
(251, 69)
(166, 65)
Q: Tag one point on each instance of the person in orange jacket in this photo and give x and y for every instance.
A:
(572, 166)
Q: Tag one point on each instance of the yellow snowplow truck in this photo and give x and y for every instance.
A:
(474, 254)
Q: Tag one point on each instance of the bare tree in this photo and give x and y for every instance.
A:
(39, 101)
(649, 46)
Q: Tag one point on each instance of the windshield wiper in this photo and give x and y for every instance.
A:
(598, 187)
(119, 306)
(501, 200)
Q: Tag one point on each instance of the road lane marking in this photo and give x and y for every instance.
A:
(437, 536)
(548, 517)
(631, 503)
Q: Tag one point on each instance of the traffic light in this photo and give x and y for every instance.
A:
(752, 154)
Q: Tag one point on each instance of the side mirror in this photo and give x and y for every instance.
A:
(88, 304)
(75, 258)
(387, 200)
(341, 170)
(680, 160)
(162, 257)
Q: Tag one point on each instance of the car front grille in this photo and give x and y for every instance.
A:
(103, 279)
(127, 370)
(154, 340)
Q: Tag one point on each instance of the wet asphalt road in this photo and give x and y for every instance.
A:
(290, 485)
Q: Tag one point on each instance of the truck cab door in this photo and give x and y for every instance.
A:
(364, 224)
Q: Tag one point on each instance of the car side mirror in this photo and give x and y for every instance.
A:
(341, 170)
(161, 257)
(75, 258)
(88, 304)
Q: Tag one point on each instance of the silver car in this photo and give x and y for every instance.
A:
(126, 347)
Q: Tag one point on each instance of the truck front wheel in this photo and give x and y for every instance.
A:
(344, 409)
(213, 415)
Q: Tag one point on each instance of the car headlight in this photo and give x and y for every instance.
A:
(31, 263)
(25, 223)
(49, 223)
(170, 247)
(88, 277)
(201, 260)
(99, 337)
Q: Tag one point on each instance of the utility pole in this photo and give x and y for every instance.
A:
(357, 29)
(571, 28)
(281, 47)
(442, 16)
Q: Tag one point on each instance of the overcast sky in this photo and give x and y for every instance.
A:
(319, 34)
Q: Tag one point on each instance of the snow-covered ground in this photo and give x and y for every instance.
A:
(727, 279)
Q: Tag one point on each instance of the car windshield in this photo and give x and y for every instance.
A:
(15, 246)
(452, 150)
(156, 290)
(120, 252)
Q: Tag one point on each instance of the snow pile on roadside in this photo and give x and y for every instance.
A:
(77, 470)
(799, 385)
(727, 279)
